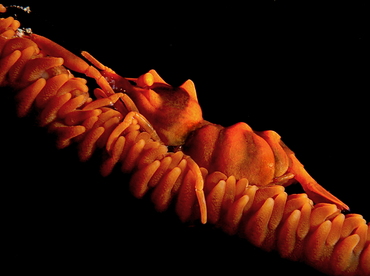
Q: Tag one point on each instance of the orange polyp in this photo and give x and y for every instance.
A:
(186, 198)
(35, 69)
(50, 90)
(2, 8)
(27, 96)
(66, 133)
(7, 62)
(214, 201)
(17, 68)
(50, 113)
(18, 44)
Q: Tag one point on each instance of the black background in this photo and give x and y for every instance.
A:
(299, 69)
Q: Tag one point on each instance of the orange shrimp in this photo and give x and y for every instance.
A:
(231, 177)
